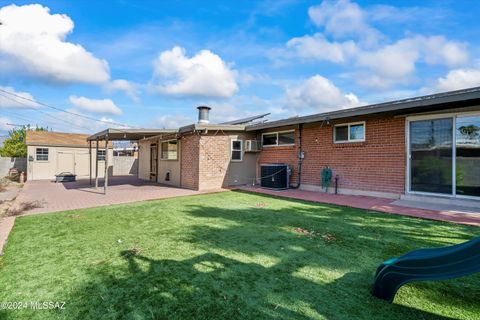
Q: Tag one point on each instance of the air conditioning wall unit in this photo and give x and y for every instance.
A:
(252, 146)
(275, 176)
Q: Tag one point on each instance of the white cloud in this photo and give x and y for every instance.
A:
(13, 100)
(130, 89)
(439, 50)
(376, 61)
(172, 121)
(4, 124)
(458, 79)
(95, 105)
(319, 48)
(343, 18)
(319, 94)
(396, 60)
(73, 123)
(34, 41)
(396, 63)
(225, 112)
(204, 74)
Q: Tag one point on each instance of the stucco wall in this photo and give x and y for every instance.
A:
(172, 166)
(46, 170)
(144, 160)
(125, 165)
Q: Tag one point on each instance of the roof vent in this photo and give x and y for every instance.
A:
(203, 112)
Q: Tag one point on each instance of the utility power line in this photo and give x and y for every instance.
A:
(62, 110)
(31, 121)
(45, 113)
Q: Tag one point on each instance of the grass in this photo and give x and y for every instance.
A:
(231, 255)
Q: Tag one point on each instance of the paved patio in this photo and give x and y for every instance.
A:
(78, 195)
(470, 217)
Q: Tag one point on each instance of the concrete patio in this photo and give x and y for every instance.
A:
(440, 213)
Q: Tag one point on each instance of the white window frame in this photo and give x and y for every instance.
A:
(453, 116)
(36, 154)
(104, 155)
(349, 124)
(277, 133)
(161, 150)
(231, 150)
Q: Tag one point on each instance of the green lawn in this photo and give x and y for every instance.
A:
(225, 256)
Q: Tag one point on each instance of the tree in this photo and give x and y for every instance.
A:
(471, 132)
(15, 145)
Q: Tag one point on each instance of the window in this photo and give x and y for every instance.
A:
(351, 132)
(169, 150)
(101, 155)
(269, 139)
(237, 150)
(42, 154)
(285, 138)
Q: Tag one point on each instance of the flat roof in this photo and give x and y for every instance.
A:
(438, 101)
(128, 134)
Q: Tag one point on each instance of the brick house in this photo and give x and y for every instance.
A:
(425, 147)
(200, 156)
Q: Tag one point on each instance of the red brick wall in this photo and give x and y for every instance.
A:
(189, 161)
(214, 161)
(378, 164)
(281, 154)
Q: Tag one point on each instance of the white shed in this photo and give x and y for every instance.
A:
(50, 153)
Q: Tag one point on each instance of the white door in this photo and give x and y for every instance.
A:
(81, 164)
(65, 162)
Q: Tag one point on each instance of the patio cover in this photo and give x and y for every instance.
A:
(117, 135)
(127, 134)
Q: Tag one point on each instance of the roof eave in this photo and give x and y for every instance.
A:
(394, 107)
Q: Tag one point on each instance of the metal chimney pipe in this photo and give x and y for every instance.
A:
(203, 112)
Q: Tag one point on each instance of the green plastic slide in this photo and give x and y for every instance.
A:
(426, 264)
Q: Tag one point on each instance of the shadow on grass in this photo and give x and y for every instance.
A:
(211, 286)
(253, 265)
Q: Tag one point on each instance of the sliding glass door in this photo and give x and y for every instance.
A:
(444, 156)
(468, 156)
(431, 154)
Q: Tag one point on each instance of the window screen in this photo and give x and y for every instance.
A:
(341, 133)
(286, 138)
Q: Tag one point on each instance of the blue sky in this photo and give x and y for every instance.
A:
(150, 63)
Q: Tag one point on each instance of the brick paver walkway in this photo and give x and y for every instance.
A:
(78, 195)
(372, 203)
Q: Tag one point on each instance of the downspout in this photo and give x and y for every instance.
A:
(300, 157)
